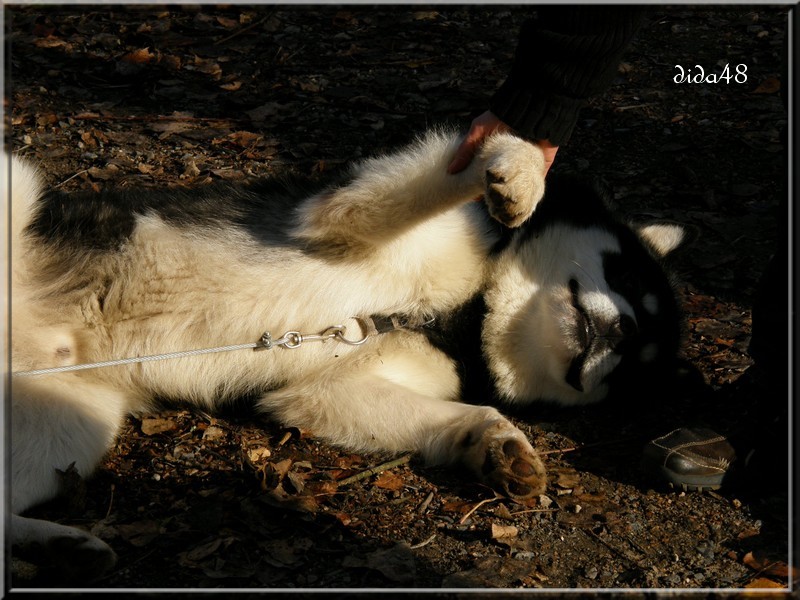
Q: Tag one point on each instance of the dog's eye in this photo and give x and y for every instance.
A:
(584, 331)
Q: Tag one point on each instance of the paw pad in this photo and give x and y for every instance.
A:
(513, 467)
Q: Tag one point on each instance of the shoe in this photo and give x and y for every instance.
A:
(690, 458)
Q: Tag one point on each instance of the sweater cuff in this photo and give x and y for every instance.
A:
(553, 118)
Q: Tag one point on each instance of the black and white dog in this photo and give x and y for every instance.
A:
(566, 299)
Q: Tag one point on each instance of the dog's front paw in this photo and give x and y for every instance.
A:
(504, 459)
(514, 178)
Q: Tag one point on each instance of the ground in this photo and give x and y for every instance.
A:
(191, 94)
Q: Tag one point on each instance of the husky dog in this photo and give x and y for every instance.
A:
(409, 273)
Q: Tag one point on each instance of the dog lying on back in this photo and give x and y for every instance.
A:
(547, 295)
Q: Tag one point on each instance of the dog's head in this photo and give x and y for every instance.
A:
(579, 302)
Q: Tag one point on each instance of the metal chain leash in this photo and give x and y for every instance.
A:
(289, 340)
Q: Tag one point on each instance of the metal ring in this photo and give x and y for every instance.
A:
(293, 339)
(341, 338)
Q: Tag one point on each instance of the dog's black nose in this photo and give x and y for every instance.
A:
(619, 331)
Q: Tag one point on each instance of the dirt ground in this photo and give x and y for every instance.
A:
(191, 94)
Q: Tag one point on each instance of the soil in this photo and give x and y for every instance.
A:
(190, 94)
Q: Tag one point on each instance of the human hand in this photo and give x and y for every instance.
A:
(483, 126)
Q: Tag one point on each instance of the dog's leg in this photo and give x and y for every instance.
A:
(77, 556)
(389, 195)
(58, 424)
(399, 403)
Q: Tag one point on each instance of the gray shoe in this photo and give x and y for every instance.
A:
(690, 458)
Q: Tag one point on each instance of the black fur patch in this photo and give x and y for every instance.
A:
(458, 334)
(106, 220)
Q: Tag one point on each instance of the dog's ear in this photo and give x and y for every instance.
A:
(665, 237)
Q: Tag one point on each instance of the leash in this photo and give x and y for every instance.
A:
(290, 340)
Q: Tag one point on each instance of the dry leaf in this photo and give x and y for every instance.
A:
(280, 499)
(425, 15)
(457, 506)
(762, 582)
(207, 66)
(245, 138)
(389, 481)
(503, 512)
(568, 479)
(768, 86)
(258, 454)
(227, 23)
(322, 488)
(140, 533)
(213, 433)
(395, 563)
(49, 42)
(298, 481)
(141, 56)
(768, 566)
(156, 425)
(202, 551)
(282, 468)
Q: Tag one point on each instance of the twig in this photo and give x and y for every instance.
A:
(631, 107)
(154, 118)
(375, 470)
(425, 543)
(219, 456)
(239, 32)
(614, 550)
(110, 502)
(73, 177)
(476, 507)
(532, 510)
(584, 446)
(425, 504)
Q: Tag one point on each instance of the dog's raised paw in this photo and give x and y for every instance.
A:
(514, 178)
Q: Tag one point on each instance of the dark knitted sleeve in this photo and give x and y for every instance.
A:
(564, 57)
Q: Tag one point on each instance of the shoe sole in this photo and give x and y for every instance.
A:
(687, 483)
(687, 487)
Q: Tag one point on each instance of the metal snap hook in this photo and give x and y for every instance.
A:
(344, 340)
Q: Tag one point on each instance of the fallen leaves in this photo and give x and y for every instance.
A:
(157, 425)
(223, 92)
(139, 533)
(767, 567)
(397, 563)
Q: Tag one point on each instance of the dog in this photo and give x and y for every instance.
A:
(366, 303)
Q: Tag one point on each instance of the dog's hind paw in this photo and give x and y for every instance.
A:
(514, 468)
(514, 178)
(93, 554)
(68, 556)
(505, 460)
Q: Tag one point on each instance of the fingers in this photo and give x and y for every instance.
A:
(464, 154)
(549, 152)
(483, 126)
